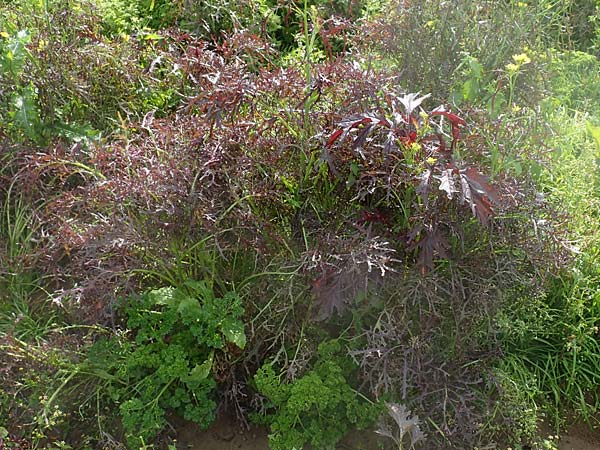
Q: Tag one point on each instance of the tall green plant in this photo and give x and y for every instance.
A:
(21, 112)
(21, 314)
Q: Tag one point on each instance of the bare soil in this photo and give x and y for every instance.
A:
(226, 434)
(580, 437)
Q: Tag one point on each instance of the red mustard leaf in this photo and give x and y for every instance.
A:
(362, 137)
(453, 118)
(431, 243)
(411, 236)
(412, 101)
(481, 184)
(455, 121)
(479, 194)
(347, 125)
(390, 145)
(332, 291)
(334, 137)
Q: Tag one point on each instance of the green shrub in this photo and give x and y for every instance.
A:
(19, 110)
(551, 339)
(431, 42)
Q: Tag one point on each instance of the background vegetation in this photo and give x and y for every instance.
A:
(313, 215)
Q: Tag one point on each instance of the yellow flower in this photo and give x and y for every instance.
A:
(522, 59)
(4, 34)
(512, 67)
(431, 160)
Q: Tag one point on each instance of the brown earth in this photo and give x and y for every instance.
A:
(226, 434)
(580, 437)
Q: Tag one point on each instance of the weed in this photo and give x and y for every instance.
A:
(24, 312)
(550, 339)
(574, 76)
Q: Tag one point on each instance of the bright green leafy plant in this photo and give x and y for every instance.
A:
(169, 363)
(319, 408)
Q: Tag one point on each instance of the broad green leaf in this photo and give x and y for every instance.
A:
(476, 68)
(470, 89)
(233, 330)
(188, 306)
(201, 372)
(14, 57)
(25, 114)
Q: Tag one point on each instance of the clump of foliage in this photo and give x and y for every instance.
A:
(20, 109)
(64, 78)
(573, 81)
(118, 16)
(409, 156)
(427, 41)
(168, 365)
(318, 408)
(317, 181)
(285, 25)
(551, 338)
(277, 151)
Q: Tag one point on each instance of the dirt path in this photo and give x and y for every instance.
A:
(225, 434)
